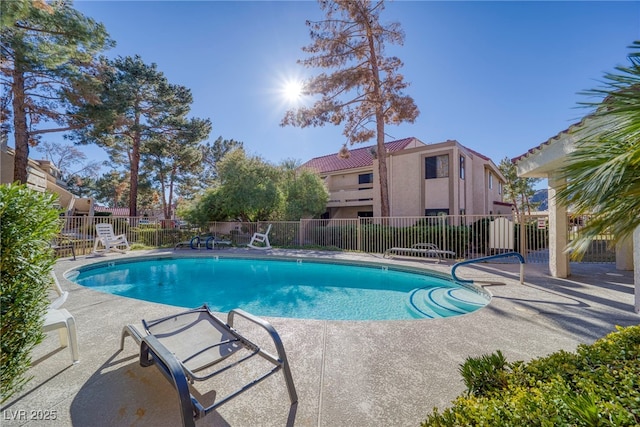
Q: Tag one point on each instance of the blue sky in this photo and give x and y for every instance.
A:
(500, 77)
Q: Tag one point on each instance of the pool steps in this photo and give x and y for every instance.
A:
(441, 301)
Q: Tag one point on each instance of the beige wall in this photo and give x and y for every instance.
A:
(43, 177)
(6, 164)
(410, 193)
(436, 194)
(405, 191)
(350, 211)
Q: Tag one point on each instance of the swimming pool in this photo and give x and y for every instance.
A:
(298, 288)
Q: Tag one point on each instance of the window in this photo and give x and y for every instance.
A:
(490, 181)
(365, 178)
(436, 167)
(499, 187)
(461, 167)
(365, 214)
(436, 212)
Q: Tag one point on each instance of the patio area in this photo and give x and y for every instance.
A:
(388, 373)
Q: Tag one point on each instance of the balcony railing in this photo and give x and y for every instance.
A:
(353, 197)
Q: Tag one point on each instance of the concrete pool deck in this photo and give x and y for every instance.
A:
(347, 373)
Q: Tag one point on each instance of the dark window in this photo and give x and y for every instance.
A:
(436, 167)
(365, 178)
(436, 212)
(365, 214)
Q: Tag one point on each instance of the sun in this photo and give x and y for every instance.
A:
(292, 90)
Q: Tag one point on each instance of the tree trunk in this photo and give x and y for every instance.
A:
(21, 133)
(382, 168)
(133, 181)
(382, 153)
(172, 178)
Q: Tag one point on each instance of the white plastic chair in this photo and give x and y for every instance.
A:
(262, 238)
(61, 320)
(61, 295)
(109, 240)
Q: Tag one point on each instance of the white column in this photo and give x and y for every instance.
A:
(624, 253)
(636, 256)
(558, 232)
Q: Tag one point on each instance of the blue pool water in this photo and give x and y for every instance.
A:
(285, 288)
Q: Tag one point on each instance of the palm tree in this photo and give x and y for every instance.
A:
(603, 173)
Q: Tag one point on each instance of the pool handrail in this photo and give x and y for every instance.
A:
(487, 258)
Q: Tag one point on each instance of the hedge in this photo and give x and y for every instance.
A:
(595, 386)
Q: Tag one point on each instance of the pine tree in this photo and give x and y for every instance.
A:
(175, 156)
(47, 65)
(351, 41)
(137, 106)
(517, 190)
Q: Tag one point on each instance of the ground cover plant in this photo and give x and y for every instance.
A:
(595, 386)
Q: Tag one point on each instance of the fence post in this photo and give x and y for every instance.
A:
(523, 235)
(300, 228)
(358, 231)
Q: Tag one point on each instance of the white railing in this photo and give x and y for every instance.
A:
(468, 236)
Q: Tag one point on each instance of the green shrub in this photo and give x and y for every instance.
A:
(28, 223)
(596, 386)
(485, 374)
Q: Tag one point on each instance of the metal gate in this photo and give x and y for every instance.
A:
(534, 245)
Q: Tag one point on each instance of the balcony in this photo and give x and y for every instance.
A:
(350, 197)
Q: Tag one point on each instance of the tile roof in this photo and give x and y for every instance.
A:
(358, 158)
(549, 141)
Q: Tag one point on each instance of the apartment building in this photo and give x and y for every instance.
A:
(444, 178)
(43, 175)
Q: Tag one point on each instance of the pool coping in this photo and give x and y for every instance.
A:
(357, 373)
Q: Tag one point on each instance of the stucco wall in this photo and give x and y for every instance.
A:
(405, 187)
(6, 164)
(345, 180)
(350, 211)
(436, 194)
(636, 258)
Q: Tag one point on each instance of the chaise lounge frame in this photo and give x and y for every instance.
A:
(419, 249)
(161, 345)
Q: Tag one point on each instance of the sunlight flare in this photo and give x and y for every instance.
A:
(292, 90)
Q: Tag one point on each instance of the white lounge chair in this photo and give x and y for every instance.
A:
(262, 239)
(109, 240)
(61, 320)
(419, 249)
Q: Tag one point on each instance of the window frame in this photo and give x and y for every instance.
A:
(435, 167)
